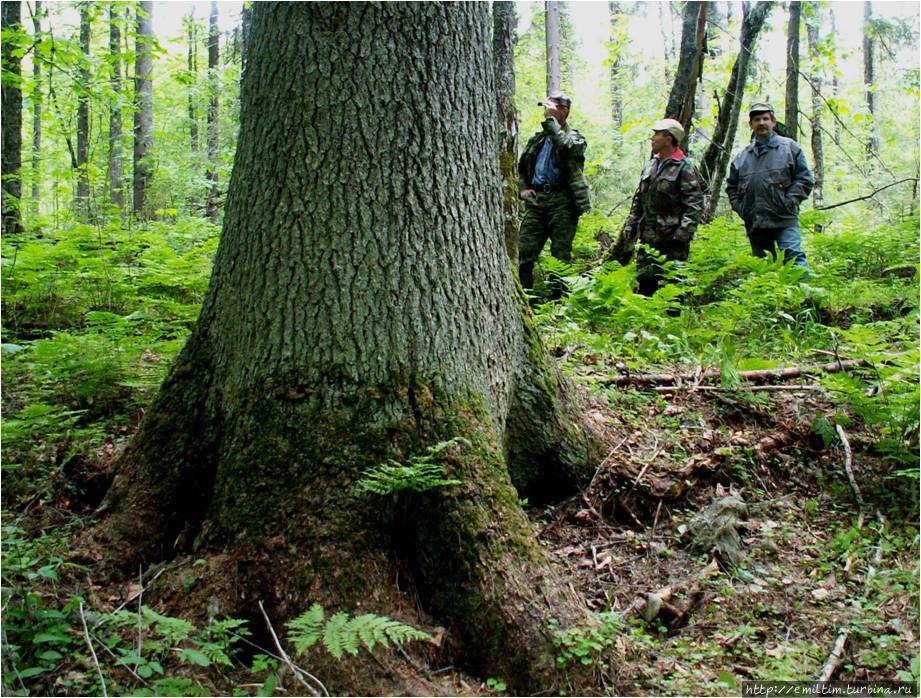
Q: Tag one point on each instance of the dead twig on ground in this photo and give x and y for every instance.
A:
(133, 596)
(296, 670)
(847, 464)
(606, 460)
(89, 643)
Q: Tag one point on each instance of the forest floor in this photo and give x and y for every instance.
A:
(759, 562)
(720, 541)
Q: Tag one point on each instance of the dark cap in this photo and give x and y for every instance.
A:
(759, 107)
(559, 98)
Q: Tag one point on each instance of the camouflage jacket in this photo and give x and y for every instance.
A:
(669, 198)
(569, 156)
(766, 188)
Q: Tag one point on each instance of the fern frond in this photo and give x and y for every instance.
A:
(420, 474)
(334, 635)
(307, 628)
(341, 634)
(374, 630)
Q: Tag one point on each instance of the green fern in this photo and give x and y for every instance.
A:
(307, 628)
(341, 634)
(422, 473)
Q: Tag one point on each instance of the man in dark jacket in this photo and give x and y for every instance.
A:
(551, 183)
(767, 181)
(666, 208)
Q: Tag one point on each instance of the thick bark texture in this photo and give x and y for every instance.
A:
(552, 35)
(690, 64)
(869, 75)
(36, 113)
(143, 104)
(115, 168)
(503, 42)
(346, 325)
(12, 122)
(83, 117)
(813, 26)
(213, 89)
(791, 113)
(717, 156)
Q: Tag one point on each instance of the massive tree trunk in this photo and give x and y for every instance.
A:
(37, 113)
(718, 153)
(869, 76)
(791, 114)
(213, 88)
(143, 115)
(552, 36)
(83, 116)
(115, 169)
(690, 64)
(503, 43)
(12, 121)
(813, 25)
(348, 325)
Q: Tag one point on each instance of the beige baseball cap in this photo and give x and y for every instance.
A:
(673, 127)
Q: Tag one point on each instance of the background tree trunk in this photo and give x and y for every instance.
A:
(192, 67)
(869, 75)
(690, 64)
(37, 98)
(718, 153)
(503, 37)
(616, 14)
(83, 116)
(791, 114)
(813, 27)
(347, 326)
(143, 99)
(213, 89)
(246, 23)
(668, 43)
(836, 126)
(554, 79)
(11, 121)
(115, 169)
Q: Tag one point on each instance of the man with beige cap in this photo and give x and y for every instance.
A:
(667, 206)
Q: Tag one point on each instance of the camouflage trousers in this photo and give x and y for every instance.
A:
(649, 272)
(547, 216)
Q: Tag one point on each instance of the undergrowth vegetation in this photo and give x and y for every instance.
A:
(728, 309)
(94, 314)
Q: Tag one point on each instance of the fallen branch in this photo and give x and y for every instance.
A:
(754, 376)
(748, 388)
(847, 464)
(661, 602)
(836, 657)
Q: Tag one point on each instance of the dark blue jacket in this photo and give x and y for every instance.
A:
(766, 189)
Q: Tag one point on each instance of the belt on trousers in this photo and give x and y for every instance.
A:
(547, 188)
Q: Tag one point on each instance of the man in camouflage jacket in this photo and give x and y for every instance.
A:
(554, 190)
(667, 206)
(767, 181)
